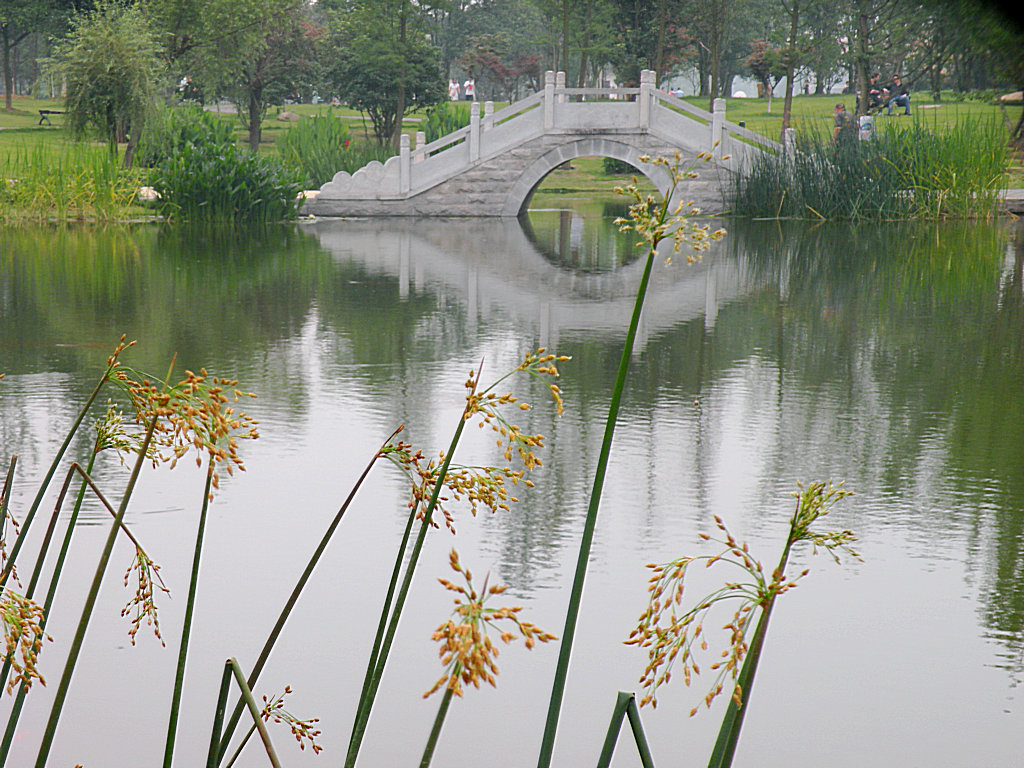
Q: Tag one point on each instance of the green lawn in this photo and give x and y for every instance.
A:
(20, 129)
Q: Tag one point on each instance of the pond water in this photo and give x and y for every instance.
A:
(891, 357)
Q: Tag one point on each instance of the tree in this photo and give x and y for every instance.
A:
(18, 19)
(253, 51)
(387, 67)
(109, 61)
(765, 63)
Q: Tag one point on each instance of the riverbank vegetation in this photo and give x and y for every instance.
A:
(909, 170)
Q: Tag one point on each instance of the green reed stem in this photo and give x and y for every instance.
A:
(90, 602)
(9, 567)
(442, 712)
(241, 745)
(382, 624)
(22, 692)
(625, 706)
(5, 495)
(213, 755)
(232, 669)
(565, 651)
(186, 629)
(729, 733)
(294, 597)
(366, 701)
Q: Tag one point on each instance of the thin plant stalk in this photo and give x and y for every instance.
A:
(381, 653)
(384, 614)
(90, 603)
(294, 597)
(729, 733)
(9, 566)
(19, 697)
(568, 633)
(625, 707)
(186, 629)
(442, 712)
(654, 226)
(232, 669)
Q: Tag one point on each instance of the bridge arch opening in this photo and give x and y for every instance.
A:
(518, 199)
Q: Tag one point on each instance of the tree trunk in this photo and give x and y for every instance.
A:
(255, 113)
(659, 50)
(8, 74)
(862, 59)
(396, 136)
(794, 19)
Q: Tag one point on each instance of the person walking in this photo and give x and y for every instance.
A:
(469, 89)
(453, 89)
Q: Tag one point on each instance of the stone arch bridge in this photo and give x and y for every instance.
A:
(492, 166)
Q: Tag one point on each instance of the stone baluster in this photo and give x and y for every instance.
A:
(421, 141)
(646, 97)
(560, 86)
(488, 115)
(404, 168)
(474, 131)
(789, 143)
(717, 127)
(549, 100)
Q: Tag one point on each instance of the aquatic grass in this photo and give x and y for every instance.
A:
(273, 710)
(78, 182)
(909, 170)
(317, 148)
(625, 708)
(444, 118)
(480, 485)
(654, 222)
(232, 670)
(673, 638)
(467, 651)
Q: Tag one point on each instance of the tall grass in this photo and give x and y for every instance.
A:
(212, 182)
(78, 182)
(907, 171)
(444, 118)
(320, 147)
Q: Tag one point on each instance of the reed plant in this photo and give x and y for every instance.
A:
(674, 637)
(909, 170)
(317, 148)
(653, 221)
(467, 651)
(81, 181)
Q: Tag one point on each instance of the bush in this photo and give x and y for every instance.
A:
(170, 129)
(444, 118)
(613, 167)
(211, 182)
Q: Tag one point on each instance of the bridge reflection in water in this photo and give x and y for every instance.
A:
(513, 272)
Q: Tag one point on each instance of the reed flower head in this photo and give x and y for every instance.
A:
(675, 635)
(653, 221)
(23, 638)
(142, 606)
(483, 487)
(302, 730)
(467, 651)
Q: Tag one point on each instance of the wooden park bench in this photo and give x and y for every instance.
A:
(45, 113)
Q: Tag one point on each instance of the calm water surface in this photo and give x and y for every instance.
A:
(889, 357)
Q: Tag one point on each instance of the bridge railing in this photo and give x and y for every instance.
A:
(557, 109)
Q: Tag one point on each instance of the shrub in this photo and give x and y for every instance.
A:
(613, 167)
(172, 128)
(219, 182)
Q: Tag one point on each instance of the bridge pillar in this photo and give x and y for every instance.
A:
(717, 126)
(488, 115)
(403, 163)
(646, 91)
(421, 140)
(549, 100)
(789, 142)
(560, 86)
(474, 131)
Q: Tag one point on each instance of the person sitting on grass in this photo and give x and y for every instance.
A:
(875, 100)
(845, 130)
(898, 95)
